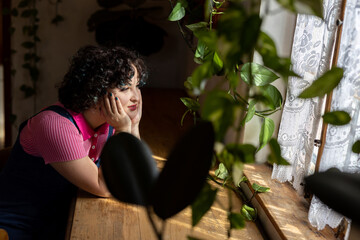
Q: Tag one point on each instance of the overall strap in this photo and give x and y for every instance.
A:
(54, 108)
(62, 112)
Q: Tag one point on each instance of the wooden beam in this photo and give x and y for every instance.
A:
(329, 96)
(6, 61)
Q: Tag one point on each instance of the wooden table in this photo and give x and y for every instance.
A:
(106, 219)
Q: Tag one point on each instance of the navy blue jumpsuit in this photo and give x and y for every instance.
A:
(34, 197)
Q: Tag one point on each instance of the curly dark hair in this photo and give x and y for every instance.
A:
(94, 70)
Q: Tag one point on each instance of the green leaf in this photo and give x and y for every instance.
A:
(237, 172)
(208, 37)
(267, 129)
(178, 11)
(29, 56)
(29, 13)
(23, 3)
(233, 78)
(198, 26)
(324, 84)
(257, 74)
(337, 118)
(312, 7)
(202, 203)
(26, 29)
(28, 44)
(200, 75)
(221, 172)
(34, 73)
(188, 84)
(237, 221)
(26, 66)
(242, 152)
(248, 212)
(251, 111)
(219, 107)
(201, 51)
(260, 189)
(273, 96)
(248, 38)
(27, 90)
(14, 12)
(275, 153)
(227, 159)
(267, 49)
(190, 103)
(356, 147)
(57, 19)
(243, 179)
(217, 63)
(12, 30)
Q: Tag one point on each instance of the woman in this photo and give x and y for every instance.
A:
(58, 149)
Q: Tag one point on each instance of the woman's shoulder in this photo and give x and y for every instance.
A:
(49, 118)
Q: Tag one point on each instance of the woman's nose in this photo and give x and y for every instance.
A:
(135, 96)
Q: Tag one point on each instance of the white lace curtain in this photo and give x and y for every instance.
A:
(301, 120)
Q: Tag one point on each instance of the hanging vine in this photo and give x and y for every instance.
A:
(28, 10)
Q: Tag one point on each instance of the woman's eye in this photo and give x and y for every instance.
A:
(124, 89)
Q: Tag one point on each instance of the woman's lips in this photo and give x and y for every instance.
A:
(132, 107)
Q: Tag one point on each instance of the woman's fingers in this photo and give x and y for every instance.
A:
(114, 113)
(113, 103)
(107, 105)
(119, 107)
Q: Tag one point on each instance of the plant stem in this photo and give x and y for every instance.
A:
(182, 31)
(158, 234)
(230, 210)
(239, 193)
(249, 201)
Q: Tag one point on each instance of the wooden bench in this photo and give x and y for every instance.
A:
(282, 212)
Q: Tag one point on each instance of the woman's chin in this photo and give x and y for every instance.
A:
(132, 114)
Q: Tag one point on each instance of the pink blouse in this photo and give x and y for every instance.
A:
(56, 139)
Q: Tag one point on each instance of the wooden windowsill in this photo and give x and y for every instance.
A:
(282, 212)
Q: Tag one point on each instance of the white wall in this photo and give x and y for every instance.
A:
(59, 43)
(280, 27)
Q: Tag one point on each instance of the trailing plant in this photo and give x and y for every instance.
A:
(225, 40)
(28, 10)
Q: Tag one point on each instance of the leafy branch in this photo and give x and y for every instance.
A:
(226, 35)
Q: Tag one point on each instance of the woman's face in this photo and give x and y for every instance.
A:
(130, 96)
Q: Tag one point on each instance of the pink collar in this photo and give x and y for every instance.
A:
(85, 129)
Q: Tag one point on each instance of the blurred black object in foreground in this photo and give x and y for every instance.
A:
(338, 190)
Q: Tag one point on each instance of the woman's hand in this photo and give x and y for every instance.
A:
(136, 120)
(114, 114)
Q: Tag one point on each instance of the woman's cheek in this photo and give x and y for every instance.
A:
(132, 114)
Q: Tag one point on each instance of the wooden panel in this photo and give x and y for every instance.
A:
(286, 210)
(160, 125)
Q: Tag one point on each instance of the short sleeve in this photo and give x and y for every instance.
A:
(57, 139)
